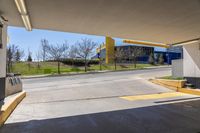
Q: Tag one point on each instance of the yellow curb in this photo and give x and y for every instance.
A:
(9, 107)
(189, 91)
(178, 87)
(171, 84)
(167, 86)
(153, 96)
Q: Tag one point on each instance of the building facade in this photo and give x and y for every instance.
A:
(126, 54)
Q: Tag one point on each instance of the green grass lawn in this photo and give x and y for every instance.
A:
(51, 68)
(45, 68)
(119, 67)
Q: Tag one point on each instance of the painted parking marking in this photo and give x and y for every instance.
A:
(153, 96)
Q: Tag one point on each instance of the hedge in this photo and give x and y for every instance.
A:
(79, 62)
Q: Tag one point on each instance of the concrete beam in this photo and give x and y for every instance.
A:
(146, 43)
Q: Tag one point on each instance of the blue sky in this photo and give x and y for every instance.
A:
(31, 40)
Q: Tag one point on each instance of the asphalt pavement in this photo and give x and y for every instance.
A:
(114, 102)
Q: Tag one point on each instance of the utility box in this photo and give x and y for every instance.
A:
(13, 85)
(2, 88)
(177, 68)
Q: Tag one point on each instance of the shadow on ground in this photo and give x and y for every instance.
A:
(169, 118)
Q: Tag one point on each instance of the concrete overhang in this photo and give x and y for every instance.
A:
(162, 21)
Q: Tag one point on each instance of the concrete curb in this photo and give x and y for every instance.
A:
(93, 72)
(171, 84)
(167, 86)
(9, 107)
(176, 86)
(189, 91)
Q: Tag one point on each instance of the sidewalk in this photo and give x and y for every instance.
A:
(89, 72)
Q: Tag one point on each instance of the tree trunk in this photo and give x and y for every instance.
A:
(11, 67)
(85, 65)
(29, 66)
(135, 62)
(72, 62)
(58, 67)
(100, 64)
(115, 64)
(38, 65)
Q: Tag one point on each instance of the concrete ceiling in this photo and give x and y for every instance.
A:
(164, 21)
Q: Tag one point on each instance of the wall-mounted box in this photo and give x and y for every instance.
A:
(13, 85)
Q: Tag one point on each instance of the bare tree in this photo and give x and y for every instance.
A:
(161, 59)
(73, 53)
(11, 52)
(29, 59)
(135, 53)
(44, 45)
(118, 55)
(85, 49)
(38, 56)
(100, 57)
(19, 54)
(151, 59)
(57, 52)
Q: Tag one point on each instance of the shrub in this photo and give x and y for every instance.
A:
(161, 59)
(151, 59)
(79, 62)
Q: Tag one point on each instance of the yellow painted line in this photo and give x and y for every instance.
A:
(9, 106)
(153, 96)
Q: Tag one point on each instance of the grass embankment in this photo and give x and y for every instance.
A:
(25, 68)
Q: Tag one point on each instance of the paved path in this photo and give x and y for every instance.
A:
(116, 102)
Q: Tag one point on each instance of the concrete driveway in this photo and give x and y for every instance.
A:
(116, 102)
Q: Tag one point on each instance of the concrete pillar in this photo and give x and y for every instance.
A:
(191, 63)
(3, 43)
(110, 50)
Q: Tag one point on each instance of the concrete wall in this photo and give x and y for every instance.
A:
(177, 68)
(191, 60)
(3, 34)
(3, 52)
(191, 63)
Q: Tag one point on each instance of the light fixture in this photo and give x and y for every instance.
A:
(26, 22)
(21, 6)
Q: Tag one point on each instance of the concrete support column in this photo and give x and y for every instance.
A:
(3, 43)
(191, 63)
(110, 50)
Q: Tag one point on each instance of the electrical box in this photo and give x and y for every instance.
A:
(1, 34)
